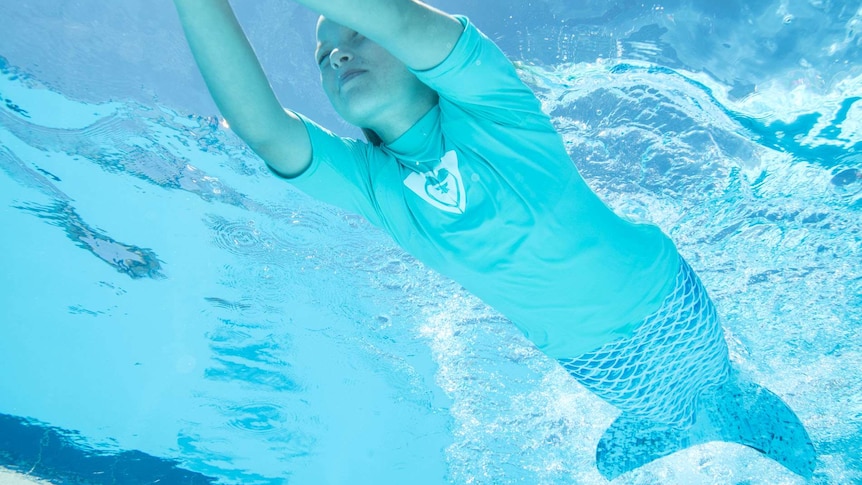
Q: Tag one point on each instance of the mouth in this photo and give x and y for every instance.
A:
(348, 75)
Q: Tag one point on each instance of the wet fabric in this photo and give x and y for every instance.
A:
(482, 190)
(658, 373)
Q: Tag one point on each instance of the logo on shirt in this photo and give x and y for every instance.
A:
(442, 187)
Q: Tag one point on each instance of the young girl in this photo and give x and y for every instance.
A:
(464, 170)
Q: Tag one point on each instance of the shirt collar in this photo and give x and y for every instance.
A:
(422, 145)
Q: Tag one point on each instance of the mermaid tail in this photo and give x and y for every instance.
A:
(736, 412)
(673, 382)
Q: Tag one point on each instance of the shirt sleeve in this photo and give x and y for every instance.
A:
(340, 172)
(479, 78)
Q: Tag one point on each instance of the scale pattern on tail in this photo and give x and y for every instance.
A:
(674, 355)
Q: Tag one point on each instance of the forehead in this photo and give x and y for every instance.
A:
(328, 30)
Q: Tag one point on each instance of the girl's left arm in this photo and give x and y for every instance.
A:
(417, 34)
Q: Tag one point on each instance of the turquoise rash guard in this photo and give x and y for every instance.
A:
(482, 190)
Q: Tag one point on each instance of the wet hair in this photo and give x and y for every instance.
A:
(372, 137)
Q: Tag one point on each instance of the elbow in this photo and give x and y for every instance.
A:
(284, 159)
(280, 140)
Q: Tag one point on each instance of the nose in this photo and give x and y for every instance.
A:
(338, 57)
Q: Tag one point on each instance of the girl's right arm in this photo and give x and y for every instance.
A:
(240, 88)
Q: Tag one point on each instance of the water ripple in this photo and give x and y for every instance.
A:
(228, 305)
(251, 375)
(134, 261)
(301, 229)
(242, 238)
(259, 417)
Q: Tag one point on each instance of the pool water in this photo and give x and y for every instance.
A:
(171, 311)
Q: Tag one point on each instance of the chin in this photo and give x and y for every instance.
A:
(359, 112)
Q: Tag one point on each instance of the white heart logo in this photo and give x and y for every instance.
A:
(443, 188)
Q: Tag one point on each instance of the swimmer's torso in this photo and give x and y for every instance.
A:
(526, 235)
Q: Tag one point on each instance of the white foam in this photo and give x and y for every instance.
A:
(8, 477)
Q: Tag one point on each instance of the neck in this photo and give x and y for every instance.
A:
(390, 128)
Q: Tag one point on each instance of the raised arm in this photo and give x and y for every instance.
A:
(240, 88)
(418, 35)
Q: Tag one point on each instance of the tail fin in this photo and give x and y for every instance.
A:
(738, 412)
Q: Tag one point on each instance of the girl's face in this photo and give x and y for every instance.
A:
(367, 85)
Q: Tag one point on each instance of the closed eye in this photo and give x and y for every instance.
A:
(355, 38)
